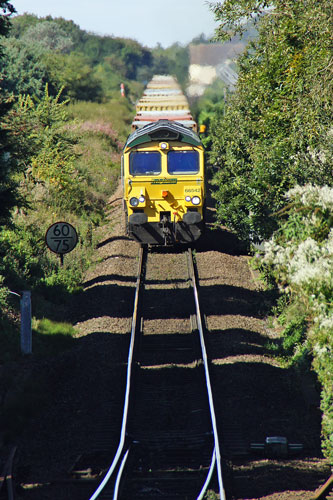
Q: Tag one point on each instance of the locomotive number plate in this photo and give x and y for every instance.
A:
(164, 181)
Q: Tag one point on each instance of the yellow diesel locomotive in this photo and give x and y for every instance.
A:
(163, 172)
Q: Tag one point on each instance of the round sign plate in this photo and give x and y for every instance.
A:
(61, 237)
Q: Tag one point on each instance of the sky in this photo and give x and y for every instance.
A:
(148, 21)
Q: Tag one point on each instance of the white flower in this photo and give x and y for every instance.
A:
(309, 195)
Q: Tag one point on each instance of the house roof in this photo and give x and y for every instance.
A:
(213, 54)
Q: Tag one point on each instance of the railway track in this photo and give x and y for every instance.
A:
(169, 443)
(325, 492)
(6, 477)
(167, 447)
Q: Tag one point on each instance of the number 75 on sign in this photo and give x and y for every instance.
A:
(61, 237)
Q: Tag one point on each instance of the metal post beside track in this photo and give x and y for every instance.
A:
(26, 332)
(25, 329)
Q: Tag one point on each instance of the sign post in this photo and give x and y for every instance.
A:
(61, 238)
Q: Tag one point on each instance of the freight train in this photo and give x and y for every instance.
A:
(162, 169)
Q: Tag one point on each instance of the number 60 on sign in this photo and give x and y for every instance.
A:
(61, 237)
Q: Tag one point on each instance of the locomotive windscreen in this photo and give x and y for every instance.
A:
(183, 162)
(145, 163)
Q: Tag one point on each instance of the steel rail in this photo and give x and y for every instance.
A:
(7, 474)
(119, 475)
(208, 382)
(209, 477)
(142, 256)
(203, 489)
(323, 490)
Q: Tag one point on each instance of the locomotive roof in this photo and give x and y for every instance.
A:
(163, 130)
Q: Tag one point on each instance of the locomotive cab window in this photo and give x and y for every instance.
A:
(145, 163)
(183, 162)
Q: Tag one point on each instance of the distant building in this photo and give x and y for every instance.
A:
(210, 61)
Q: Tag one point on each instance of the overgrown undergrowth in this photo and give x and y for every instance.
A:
(299, 257)
(67, 167)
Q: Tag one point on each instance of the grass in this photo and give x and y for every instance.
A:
(48, 339)
(51, 337)
(28, 392)
(118, 111)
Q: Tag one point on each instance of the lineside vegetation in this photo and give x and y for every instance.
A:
(63, 124)
(273, 152)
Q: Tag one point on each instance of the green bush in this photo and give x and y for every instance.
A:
(277, 130)
(300, 258)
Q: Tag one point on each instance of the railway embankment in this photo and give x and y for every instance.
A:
(255, 396)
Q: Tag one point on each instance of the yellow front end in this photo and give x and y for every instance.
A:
(164, 191)
(163, 183)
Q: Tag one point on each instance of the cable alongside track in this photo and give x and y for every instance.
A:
(169, 444)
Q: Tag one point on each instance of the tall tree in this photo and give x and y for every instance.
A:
(50, 36)
(277, 129)
(8, 193)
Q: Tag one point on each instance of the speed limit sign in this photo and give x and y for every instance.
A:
(61, 237)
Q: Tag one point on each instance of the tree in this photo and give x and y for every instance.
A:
(8, 188)
(43, 147)
(74, 73)
(277, 128)
(6, 10)
(174, 60)
(23, 68)
(49, 36)
(21, 23)
(202, 38)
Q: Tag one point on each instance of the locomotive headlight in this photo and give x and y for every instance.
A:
(142, 199)
(187, 198)
(196, 200)
(134, 202)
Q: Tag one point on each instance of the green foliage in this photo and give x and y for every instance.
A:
(6, 10)
(26, 263)
(49, 36)
(299, 257)
(207, 107)
(121, 111)
(22, 256)
(232, 13)
(174, 60)
(211, 495)
(22, 68)
(8, 187)
(21, 23)
(58, 52)
(69, 168)
(4, 292)
(51, 337)
(276, 131)
(202, 38)
(45, 150)
(294, 336)
(277, 134)
(30, 65)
